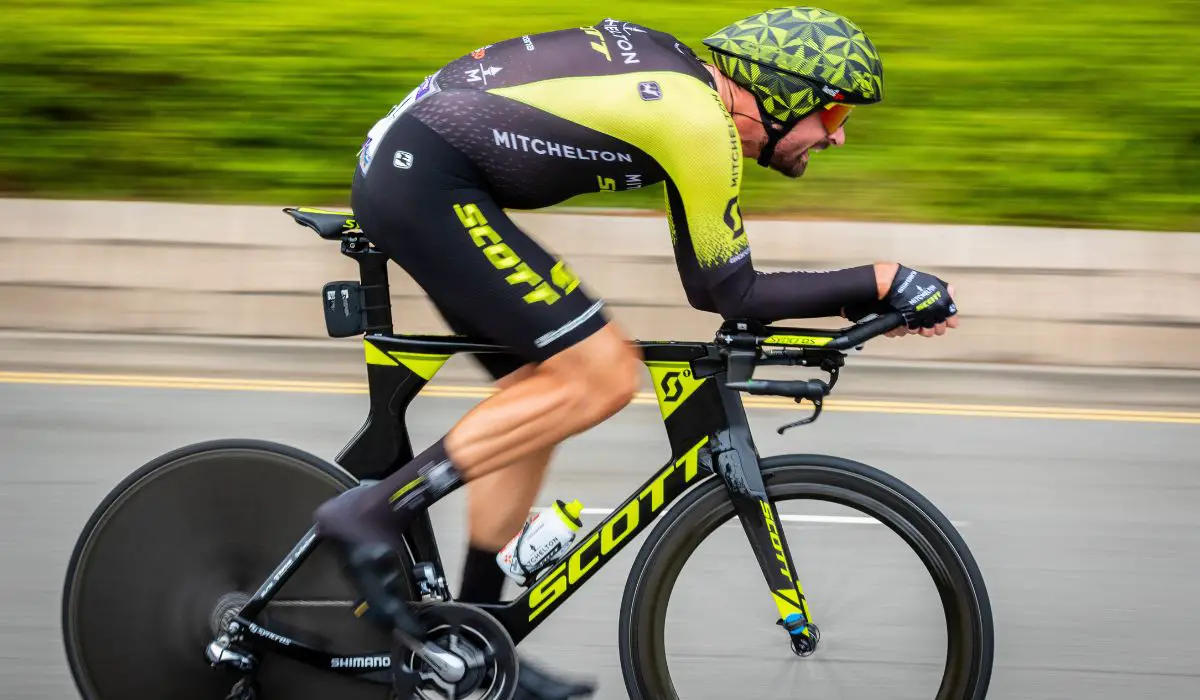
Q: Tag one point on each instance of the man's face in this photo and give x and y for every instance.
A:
(809, 135)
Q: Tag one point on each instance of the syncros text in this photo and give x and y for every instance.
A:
(620, 527)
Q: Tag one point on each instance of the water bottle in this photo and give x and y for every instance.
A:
(543, 540)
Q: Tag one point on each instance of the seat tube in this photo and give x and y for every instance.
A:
(377, 300)
(735, 460)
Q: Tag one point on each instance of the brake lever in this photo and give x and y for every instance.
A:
(832, 366)
(818, 403)
(833, 370)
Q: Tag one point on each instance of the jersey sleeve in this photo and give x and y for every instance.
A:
(704, 179)
(740, 291)
(712, 251)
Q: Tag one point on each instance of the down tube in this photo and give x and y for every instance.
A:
(592, 552)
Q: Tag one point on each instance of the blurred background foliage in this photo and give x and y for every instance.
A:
(1042, 112)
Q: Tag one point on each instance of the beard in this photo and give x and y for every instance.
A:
(793, 168)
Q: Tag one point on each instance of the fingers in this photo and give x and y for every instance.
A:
(939, 329)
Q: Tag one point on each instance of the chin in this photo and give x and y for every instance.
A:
(794, 169)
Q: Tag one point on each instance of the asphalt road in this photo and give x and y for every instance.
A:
(1088, 534)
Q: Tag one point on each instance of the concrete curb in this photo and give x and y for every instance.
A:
(1029, 296)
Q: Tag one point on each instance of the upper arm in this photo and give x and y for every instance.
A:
(695, 286)
(704, 164)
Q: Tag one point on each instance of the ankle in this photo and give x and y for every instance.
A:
(482, 580)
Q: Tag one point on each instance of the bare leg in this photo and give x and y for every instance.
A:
(565, 395)
(497, 506)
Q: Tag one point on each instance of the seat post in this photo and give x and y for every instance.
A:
(373, 275)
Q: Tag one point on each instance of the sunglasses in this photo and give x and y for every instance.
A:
(835, 115)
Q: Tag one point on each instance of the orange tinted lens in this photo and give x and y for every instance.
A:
(834, 115)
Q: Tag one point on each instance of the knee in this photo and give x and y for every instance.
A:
(604, 373)
(617, 385)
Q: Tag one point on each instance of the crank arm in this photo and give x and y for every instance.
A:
(449, 666)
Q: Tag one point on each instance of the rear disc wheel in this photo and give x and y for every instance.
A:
(175, 548)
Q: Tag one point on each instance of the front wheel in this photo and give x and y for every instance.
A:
(926, 626)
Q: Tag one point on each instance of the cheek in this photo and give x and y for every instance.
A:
(790, 149)
(799, 139)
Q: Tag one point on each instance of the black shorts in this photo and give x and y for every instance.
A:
(424, 204)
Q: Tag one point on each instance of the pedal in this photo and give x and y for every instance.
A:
(404, 681)
(361, 607)
(376, 572)
(244, 689)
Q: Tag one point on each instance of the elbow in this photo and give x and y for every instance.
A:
(731, 308)
(700, 300)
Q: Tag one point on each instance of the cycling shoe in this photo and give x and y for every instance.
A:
(534, 683)
(377, 571)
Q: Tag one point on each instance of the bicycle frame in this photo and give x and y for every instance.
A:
(709, 436)
(705, 422)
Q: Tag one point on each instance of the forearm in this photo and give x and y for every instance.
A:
(770, 297)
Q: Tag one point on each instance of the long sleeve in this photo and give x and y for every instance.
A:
(737, 290)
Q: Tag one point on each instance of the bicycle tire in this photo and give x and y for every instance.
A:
(970, 631)
(95, 606)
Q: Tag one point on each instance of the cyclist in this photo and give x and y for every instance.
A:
(529, 122)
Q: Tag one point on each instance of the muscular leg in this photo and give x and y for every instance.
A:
(438, 221)
(498, 503)
(497, 506)
(566, 394)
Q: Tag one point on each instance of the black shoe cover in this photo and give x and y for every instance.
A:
(535, 684)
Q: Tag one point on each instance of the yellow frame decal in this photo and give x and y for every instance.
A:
(424, 365)
(673, 384)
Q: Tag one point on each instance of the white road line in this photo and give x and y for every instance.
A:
(824, 519)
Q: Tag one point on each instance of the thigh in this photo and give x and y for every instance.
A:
(499, 365)
(489, 279)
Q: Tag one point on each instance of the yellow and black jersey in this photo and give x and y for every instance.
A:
(610, 107)
(614, 106)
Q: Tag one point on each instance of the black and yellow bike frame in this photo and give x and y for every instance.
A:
(705, 425)
(697, 388)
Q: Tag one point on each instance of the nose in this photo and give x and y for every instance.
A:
(838, 138)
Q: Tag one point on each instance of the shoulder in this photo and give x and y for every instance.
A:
(639, 47)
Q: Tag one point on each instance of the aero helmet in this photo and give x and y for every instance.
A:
(795, 60)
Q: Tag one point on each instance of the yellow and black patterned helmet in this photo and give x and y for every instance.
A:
(797, 59)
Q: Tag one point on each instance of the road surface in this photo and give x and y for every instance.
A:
(1087, 531)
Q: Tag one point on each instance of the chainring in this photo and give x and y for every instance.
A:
(475, 637)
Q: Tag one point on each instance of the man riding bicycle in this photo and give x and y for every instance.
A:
(532, 121)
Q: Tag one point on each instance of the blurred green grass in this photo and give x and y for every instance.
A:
(998, 112)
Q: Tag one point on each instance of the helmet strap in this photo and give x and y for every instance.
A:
(774, 135)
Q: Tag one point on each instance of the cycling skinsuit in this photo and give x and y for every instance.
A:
(532, 121)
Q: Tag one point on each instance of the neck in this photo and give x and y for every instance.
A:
(741, 106)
